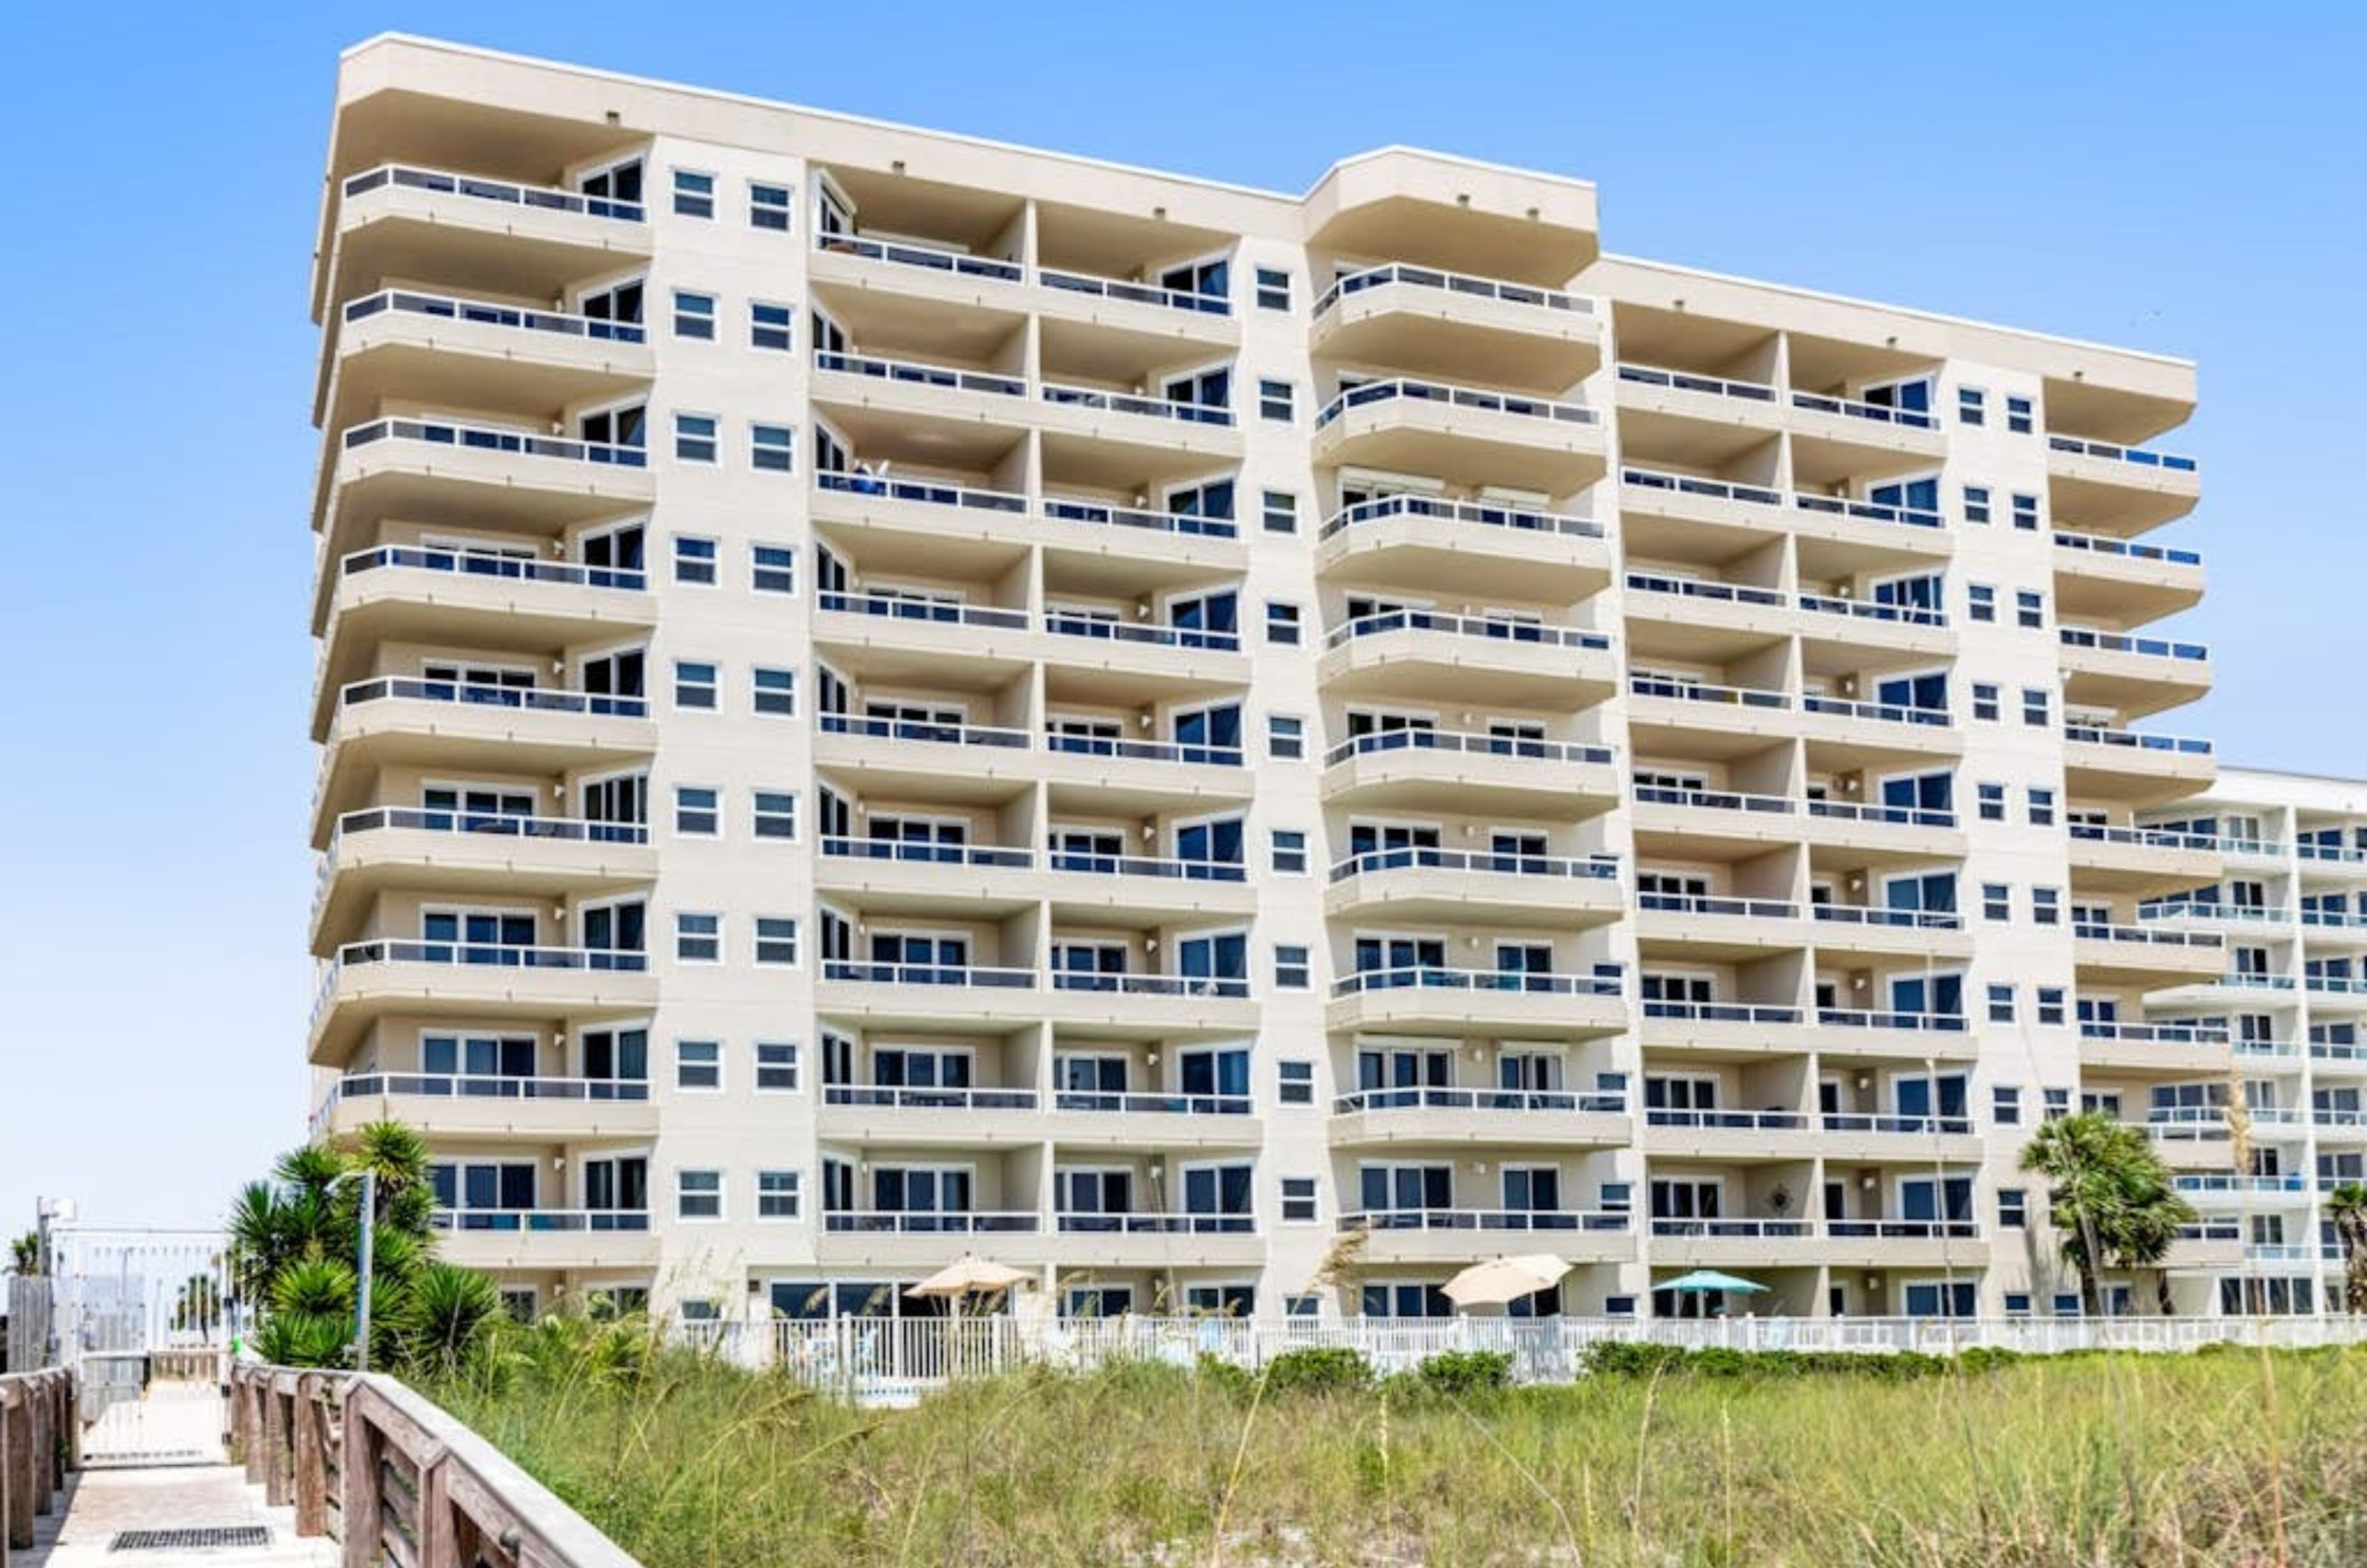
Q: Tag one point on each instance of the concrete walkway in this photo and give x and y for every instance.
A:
(112, 1496)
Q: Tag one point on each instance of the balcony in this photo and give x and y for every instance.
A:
(904, 1239)
(1752, 714)
(1451, 324)
(1747, 1029)
(452, 1108)
(403, 345)
(2173, 1048)
(468, 475)
(888, 995)
(1479, 1001)
(972, 881)
(1863, 432)
(1154, 1240)
(2144, 954)
(1755, 1136)
(925, 759)
(2192, 1137)
(2133, 768)
(380, 848)
(1430, 886)
(1450, 770)
(910, 1117)
(1432, 1115)
(1422, 655)
(1731, 824)
(1134, 1120)
(509, 1240)
(1467, 436)
(1133, 777)
(477, 981)
(864, 381)
(1875, 930)
(1705, 619)
(1086, 886)
(1463, 1236)
(1854, 1243)
(1881, 1032)
(1723, 517)
(2100, 577)
(2118, 489)
(903, 638)
(2131, 675)
(2139, 860)
(1152, 1006)
(1655, 390)
(473, 599)
(1491, 549)
(1166, 427)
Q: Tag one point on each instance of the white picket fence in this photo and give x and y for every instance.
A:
(894, 1358)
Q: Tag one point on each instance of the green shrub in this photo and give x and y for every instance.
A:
(1462, 1373)
(1225, 1376)
(1319, 1371)
(1617, 1359)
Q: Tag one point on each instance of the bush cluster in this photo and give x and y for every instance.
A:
(1626, 1359)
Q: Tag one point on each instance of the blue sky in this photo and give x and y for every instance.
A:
(2168, 177)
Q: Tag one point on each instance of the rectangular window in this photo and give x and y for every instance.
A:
(1976, 504)
(775, 693)
(776, 1194)
(776, 814)
(694, 315)
(699, 1194)
(2005, 1104)
(1294, 1083)
(773, 569)
(694, 194)
(2013, 1208)
(1972, 406)
(777, 940)
(2041, 807)
(1298, 1200)
(1992, 801)
(2050, 1011)
(2029, 609)
(2025, 513)
(2000, 1004)
(777, 1068)
(768, 206)
(1280, 510)
(697, 810)
(771, 326)
(1281, 623)
(1980, 601)
(771, 447)
(2034, 706)
(1285, 737)
(2018, 415)
(1272, 288)
(1275, 401)
(694, 685)
(2046, 906)
(694, 438)
(1997, 901)
(694, 561)
(1985, 700)
(698, 938)
(1290, 967)
(1290, 852)
(697, 1065)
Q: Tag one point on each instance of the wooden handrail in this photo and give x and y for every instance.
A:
(394, 1479)
(41, 1440)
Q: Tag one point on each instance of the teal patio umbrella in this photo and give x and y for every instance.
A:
(1708, 1281)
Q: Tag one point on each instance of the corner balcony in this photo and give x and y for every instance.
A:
(1753, 1137)
(1451, 770)
(1479, 1001)
(2100, 577)
(1083, 887)
(1852, 1244)
(2130, 674)
(2139, 860)
(403, 345)
(1430, 1116)
(478, 982)
(1457, 326)
(911, 1117)
(1466, 1235)
(2148, 955)
(513, 1240)
(1427, 886)
(1424, 655)
(449, 1108)
(2169, 1048)
(1495, 549)
(398, 220)
(457, 854)
(1467, 436)
(1137, 1119)
(463, 598)
(470, 475)
(2118, 489)
(2134, 768)
(971, 881)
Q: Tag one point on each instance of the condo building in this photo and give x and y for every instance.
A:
(885, 696)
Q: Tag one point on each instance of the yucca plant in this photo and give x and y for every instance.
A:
(448, 1320)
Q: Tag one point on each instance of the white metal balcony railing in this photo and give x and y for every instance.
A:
(487, 824)
(1166, 868)
(506, 192)
(1686, 381)
(1151, 1103)
(2130, 740)
(893, 606)
(2332, 920)
(472, 438)
(2123, 642)
(1597, 867)
(1717, 904)
(837, 846)
(1076, 743)
(2104, 545)
(1490, 629)
(1818, 604)
(907, 372)
(916, 253)
(933, 1222)
(484, 312)
(2103, 931)
(1779, 805)
(1755, 697)
(1433, 977)
(467, 693)
(1882, 1017)
(2140, 457)
(2141, 838)
(488, 563)
(1154, 634)
(1477, 399)
(490, 955)
(1514, 519)
(1111, 400)
(1806, 1121)
(1097, 1223)
(1497, 289)
(1472, 743)
(933, 732)
(2339, 854)
(472, 1086)
(910, 1097)
(1517, 1102)
(1133, 293)
(2220, 1181)
(2154, 1033)
(2192, 910)
(1101, 513)
(966, 976)
(1762, 1014)
(1059, 509)
(535, 1221)
(1877, 915)
(1762, 495)
(1582, 1220)
(1876, 413)
(1828, 1230)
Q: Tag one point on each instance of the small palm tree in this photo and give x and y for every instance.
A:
(25, 1254)
(2347, 1207)
(2110, 1196)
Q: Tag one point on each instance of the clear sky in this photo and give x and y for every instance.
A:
(2170, 176)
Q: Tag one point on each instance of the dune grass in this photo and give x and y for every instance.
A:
(2155, 1461)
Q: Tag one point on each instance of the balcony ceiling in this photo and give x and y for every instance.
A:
(961, 217)
(1118, 244)
(398, 127)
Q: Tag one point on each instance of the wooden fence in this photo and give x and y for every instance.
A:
(396, 1480)
(39, 1442)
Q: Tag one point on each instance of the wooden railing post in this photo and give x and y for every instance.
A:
(275, 1445)
(357, 1474)
(250, 1416)
(18, 1468)
(41, 1461)
(311, 1460)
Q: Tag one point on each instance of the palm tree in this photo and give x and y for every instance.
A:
(2347, 1207)
(25, 1254)
(2110, 1196)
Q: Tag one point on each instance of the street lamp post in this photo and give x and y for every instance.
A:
(362, 1285)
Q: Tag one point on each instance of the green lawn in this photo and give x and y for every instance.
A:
(2132, 1459)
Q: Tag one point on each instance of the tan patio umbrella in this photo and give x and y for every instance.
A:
(967, 1273)
(1504, 1280)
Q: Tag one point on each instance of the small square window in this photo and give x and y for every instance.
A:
(2018, 415)
(2041, 807)
(1281, 623)
(1976, 504)
(2029, 609)
(2050, 1009)
(1275, 401)
(2005, 1104)
(699, 1194)
(777, 1068)
(697, 810)
(773, 569)
(772, 448)
(771, 326)
(699, 939)
(2046, 906)
(1272, 288)
(2034, 706)
(768, 206)
(775, 694)
(1294, 1083)
(694, 438)
(1280, 511)
(1289, 851)
(694, 685)
(694, 194)
(1302, 1306)
(1992, 801)
(1984, 699)
(777, 940)
(2013, 1208)
(694, 561)
(1285, 736)
(697, 1065)
(776, 814)
(1980, 601)
(1291, 967)
(2025, 512)
(1298, 1200)
(2000, 1004)
(2058, 1101)
(777, 1195)
(694, 315)
(1997, 901)
(1972, 406)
